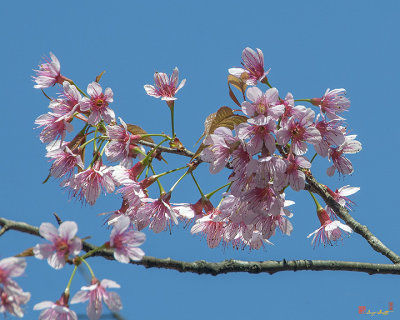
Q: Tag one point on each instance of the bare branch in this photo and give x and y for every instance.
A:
(230, 266)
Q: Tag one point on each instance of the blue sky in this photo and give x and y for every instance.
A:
(309, 45)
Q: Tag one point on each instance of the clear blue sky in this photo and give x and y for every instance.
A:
(310, 46)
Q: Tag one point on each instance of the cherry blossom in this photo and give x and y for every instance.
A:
(165, 87)
(125, 241)
(54, 125)
(266, 104)
(336, 154)
(87, 185)
(155, 213)
(64, 159)
(97, 104)
(96, 293)
(48, 74)
(253, 67)
(62, 243)
(220, 144)
(10, 268)
(55, 311)
(121, 143)
(329, 230)
(332, 103)
(211, 226)
(11, 302)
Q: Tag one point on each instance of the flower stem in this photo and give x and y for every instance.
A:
(198, 186)
(146, 159)
(162, 191)
(156, 135)
(90, 269)
(209, 195)
(73, 83)
(89, 141)
(66, 291)
(265, 81)
(306, 100)
(171, 108)
(316, 201)
(104, 148)
(313, 157)
(179, 180)
(170, 171)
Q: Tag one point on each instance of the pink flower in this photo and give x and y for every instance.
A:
(54, 125)
(263, 104)
(88, 184)
(95, 293)
(55, 311)
(165, 87)
(264, 200)
(65, 160)
(220, 146)
(125, 241)
(329, 230)
(70, 99)
(121, 141)
(62, 243)
(48, 74)
(299, 129)
(332, 103)
(332, 134)
(10, 268)
(11, 302)
(211, 226)
(253, 63)
(340, 162)
(293, 175)
(340, 195)
(155, 213)
(190, 211)
(259, 131)
(98, 104)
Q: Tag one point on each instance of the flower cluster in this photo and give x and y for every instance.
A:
(267, 154)
(267, 149)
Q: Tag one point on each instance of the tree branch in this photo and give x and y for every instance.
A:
(343, 213)
(229, 266)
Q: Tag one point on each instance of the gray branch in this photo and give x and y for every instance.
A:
(228, 266)
(343, 213)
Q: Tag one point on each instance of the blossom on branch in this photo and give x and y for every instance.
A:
(329, 230)
(48, 74)
(332, 103)
(55, 311)
(96, 293)
(125, 241)
(62, 243)
(87, 185)
(97, 104)
(253, 67)
(165, 87)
